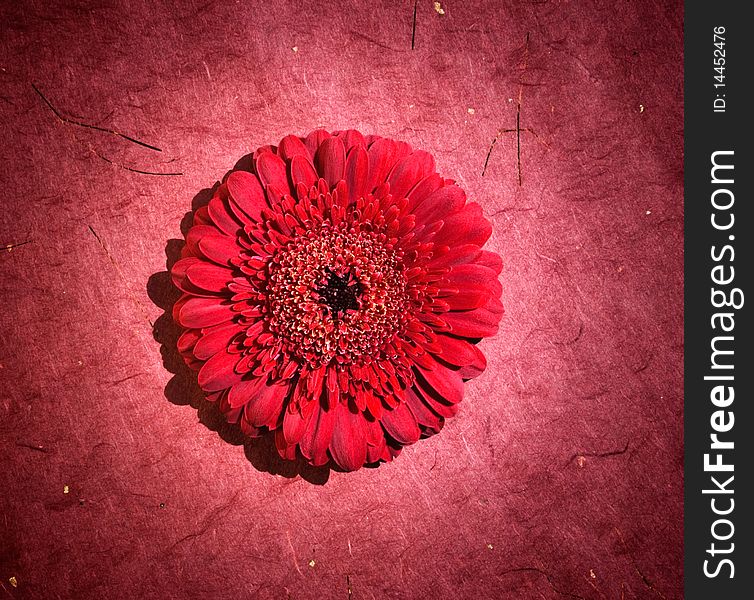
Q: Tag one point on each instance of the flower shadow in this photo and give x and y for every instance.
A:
(183, 389)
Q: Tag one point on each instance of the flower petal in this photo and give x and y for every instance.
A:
(232, 415)
(314, 140)
(423, 189)
(316, 438)
(218, 373)
(468, 225)
(259, 151)
(285, 450)
(348, 445)
(215, 338)
(178, 272)
(494, 305)
(291, 146)
(246, 191)
(187, 341)
(401, 425)
(472, 274)
(457, 255)
(244, 391)
(204, 312)
(271, 170)
(442, 408)
(330, 160)
(180, 280)
(477, 323)
(264, 409)
(219, 248)
(374, 432)
(195, 234)
(379, 451)
(476, 368)
(351, 138)
(440, 382)
(467, 297)
(208, 276)
(440, 204)
(409, 171)
(302, 171)
(425, 417)
(295, 424)
(357, 174)
(491, 260)
(382, 157)
(201, 216)
(275, 194)
(247, 428)
(223, 217)
(456, 351)
(473, 284)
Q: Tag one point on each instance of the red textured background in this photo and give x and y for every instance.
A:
(562, 475)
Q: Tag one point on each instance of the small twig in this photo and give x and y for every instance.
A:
(644, 578)
(91, 149)
(10, 247)
(37, 447)
(5, 589)
(547, 576)
(518, 108)
(119, 381)
(434, 464)
(492, 145)
(600, 454)
(117, 268)
(518, 142)
(89, 126)
(489, 153)
(413, 26)
(371, 40)
(524, 66)
(120, 166)
(94, 233)
(579, 333)
(518, 130)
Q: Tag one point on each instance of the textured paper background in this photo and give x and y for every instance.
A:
(562, 475)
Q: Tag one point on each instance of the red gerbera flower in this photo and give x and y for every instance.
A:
(335, 295)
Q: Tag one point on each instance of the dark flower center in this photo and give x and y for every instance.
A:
(339, 293)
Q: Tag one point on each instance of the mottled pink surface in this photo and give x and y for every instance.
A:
(562, 474)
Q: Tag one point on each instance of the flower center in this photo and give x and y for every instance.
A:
(339, 293)
(336, 293)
